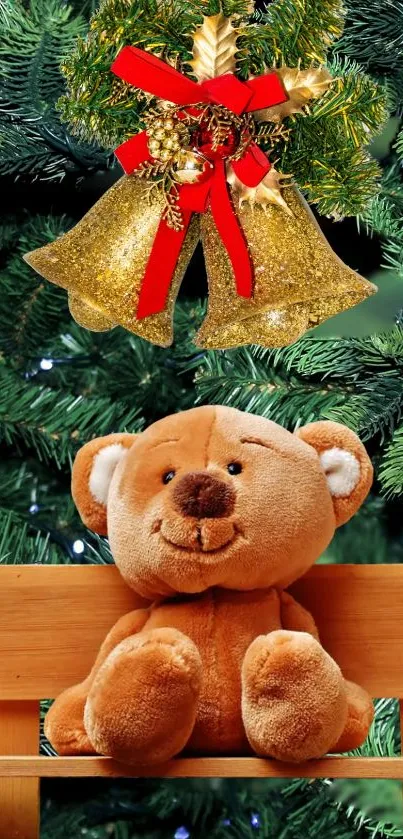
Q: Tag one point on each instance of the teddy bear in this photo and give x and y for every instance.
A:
(211, 514)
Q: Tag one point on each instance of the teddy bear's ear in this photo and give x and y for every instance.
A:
(345, 463)
(92, 473)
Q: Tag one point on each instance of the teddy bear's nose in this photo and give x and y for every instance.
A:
(200, 495)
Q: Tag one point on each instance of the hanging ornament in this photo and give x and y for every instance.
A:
(197, 170)
(299, 280)
(217, 146)
(191, 167)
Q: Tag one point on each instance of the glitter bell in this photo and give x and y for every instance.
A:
(298, 279)
(102, 260)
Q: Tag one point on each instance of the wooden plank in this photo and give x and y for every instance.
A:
(359, 613)
(54, 618)
(53, 621)
(401, 725)
(19, 796)
(202, 767)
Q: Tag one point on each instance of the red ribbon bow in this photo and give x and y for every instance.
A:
(152, 75)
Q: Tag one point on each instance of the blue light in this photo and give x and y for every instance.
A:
(46, 364)
(226, 822)
(255, 820)
(34, 508)
(182, 833)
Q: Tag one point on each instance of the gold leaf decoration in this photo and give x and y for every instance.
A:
(269, 191)
(214, 48)
(301, 86)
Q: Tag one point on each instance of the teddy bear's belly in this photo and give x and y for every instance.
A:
(222, 624)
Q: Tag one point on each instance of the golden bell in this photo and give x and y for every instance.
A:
(102, 261)
(299, 280)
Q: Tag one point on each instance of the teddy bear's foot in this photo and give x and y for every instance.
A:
(64, 723)
(360, 713)
(294, 702)
(143, 702)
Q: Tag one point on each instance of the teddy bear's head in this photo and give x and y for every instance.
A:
(217, 497)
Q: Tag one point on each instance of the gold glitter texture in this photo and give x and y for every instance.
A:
(88, 316)
(299, 280)
(103, 259)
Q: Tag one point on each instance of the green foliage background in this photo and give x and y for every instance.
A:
(61, 385)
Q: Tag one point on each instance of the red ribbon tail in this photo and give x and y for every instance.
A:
(231, 233)
(161, 266)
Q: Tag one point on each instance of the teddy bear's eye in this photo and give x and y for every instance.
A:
(234, 468)
(167, 476)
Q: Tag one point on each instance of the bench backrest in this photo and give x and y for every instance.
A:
(53, 620)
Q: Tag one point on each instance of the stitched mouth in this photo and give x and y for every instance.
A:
(200, 549)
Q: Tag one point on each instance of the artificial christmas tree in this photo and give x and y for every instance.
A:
(61, 384)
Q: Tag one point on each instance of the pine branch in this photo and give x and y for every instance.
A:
(391, 470)
(375, 408)
(399, 145)
(355, 97)
(30, 307)
(18, 545)
(114, 365)
(40, 523)
(326, 151)
(303, 30)
(269, 383)
(384, 216)
(123, 367)
(370, 808)
(374, 37)
(255, 49)
(36, 542)
(340, 183)
(32, 140)
(55, 424)
(326, 155)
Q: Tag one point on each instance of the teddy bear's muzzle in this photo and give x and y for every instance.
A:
(205, 537)
(199, 517)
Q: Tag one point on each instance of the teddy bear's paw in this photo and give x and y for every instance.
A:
(142, 705)
(294, 702)
(360, 713)
(64, 724)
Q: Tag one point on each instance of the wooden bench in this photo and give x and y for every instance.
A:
(53, 619)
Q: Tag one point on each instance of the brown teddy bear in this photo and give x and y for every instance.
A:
(211, 514)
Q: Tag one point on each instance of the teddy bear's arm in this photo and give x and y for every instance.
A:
(294, 616)
(128, 625)
(64, 723)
